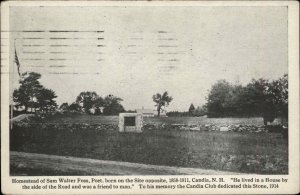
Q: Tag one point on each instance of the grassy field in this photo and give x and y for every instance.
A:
(263, 153)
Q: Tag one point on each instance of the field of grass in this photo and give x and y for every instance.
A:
(262, 153)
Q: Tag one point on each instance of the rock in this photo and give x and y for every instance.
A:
(260, 129)
(224, 129)
(203, 128)
(252, 162)
(241, 129)
(184, 128)
(231, 128)
(195, 128)
(177, 125)
(214, 128)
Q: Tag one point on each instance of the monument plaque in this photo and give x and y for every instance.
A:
(130, 122)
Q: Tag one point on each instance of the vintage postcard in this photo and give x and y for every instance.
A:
(142, 97)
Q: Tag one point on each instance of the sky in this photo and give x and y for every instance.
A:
(135, 52)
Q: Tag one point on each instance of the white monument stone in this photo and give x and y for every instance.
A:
(130, 122)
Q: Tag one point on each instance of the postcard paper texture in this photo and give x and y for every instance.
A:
(137, 97)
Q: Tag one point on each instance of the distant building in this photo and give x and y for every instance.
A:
(150, 112)
(163, 113)
(146, 112)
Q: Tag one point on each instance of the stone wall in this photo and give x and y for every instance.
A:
(212, 127)
(153, 126)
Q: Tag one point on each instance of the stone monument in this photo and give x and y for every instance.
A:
(130, 122)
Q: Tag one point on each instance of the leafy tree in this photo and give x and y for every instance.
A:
(87, 100)
(21, 98)
(74, 107)
(29, 87)
(217, 98)
(112, 105)
(278, 90)
(233, 102)
(192, 109)
(31, 94)
(201, 111)
(45, 99)
(277, 99)
(161, 101)
(258, 98)
(257, 91)
(97, 111)
(99, 102)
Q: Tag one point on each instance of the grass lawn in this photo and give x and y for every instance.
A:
(263, 153)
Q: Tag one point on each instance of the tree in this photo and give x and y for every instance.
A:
(45, 99)
(258, 98)
(259, 101)
(87, 100)
(21, 98)
(278, 95)
(29, 87)
(161, 101)
(74, 107)
(217, 98)
(192, 110)
(31, 94)
(91, 100)
(99, 102)
(112, 105)
(201, 111)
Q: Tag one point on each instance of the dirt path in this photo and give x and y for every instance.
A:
(100, 167)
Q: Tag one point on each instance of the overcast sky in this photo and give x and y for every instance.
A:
(134, 52)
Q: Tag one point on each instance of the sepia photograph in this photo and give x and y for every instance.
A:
(197, 90)
(147, 90)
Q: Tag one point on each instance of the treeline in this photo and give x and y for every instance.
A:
(268, 99)
(198, 111)
(33, 97)
(91, 103)
(259, 98)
